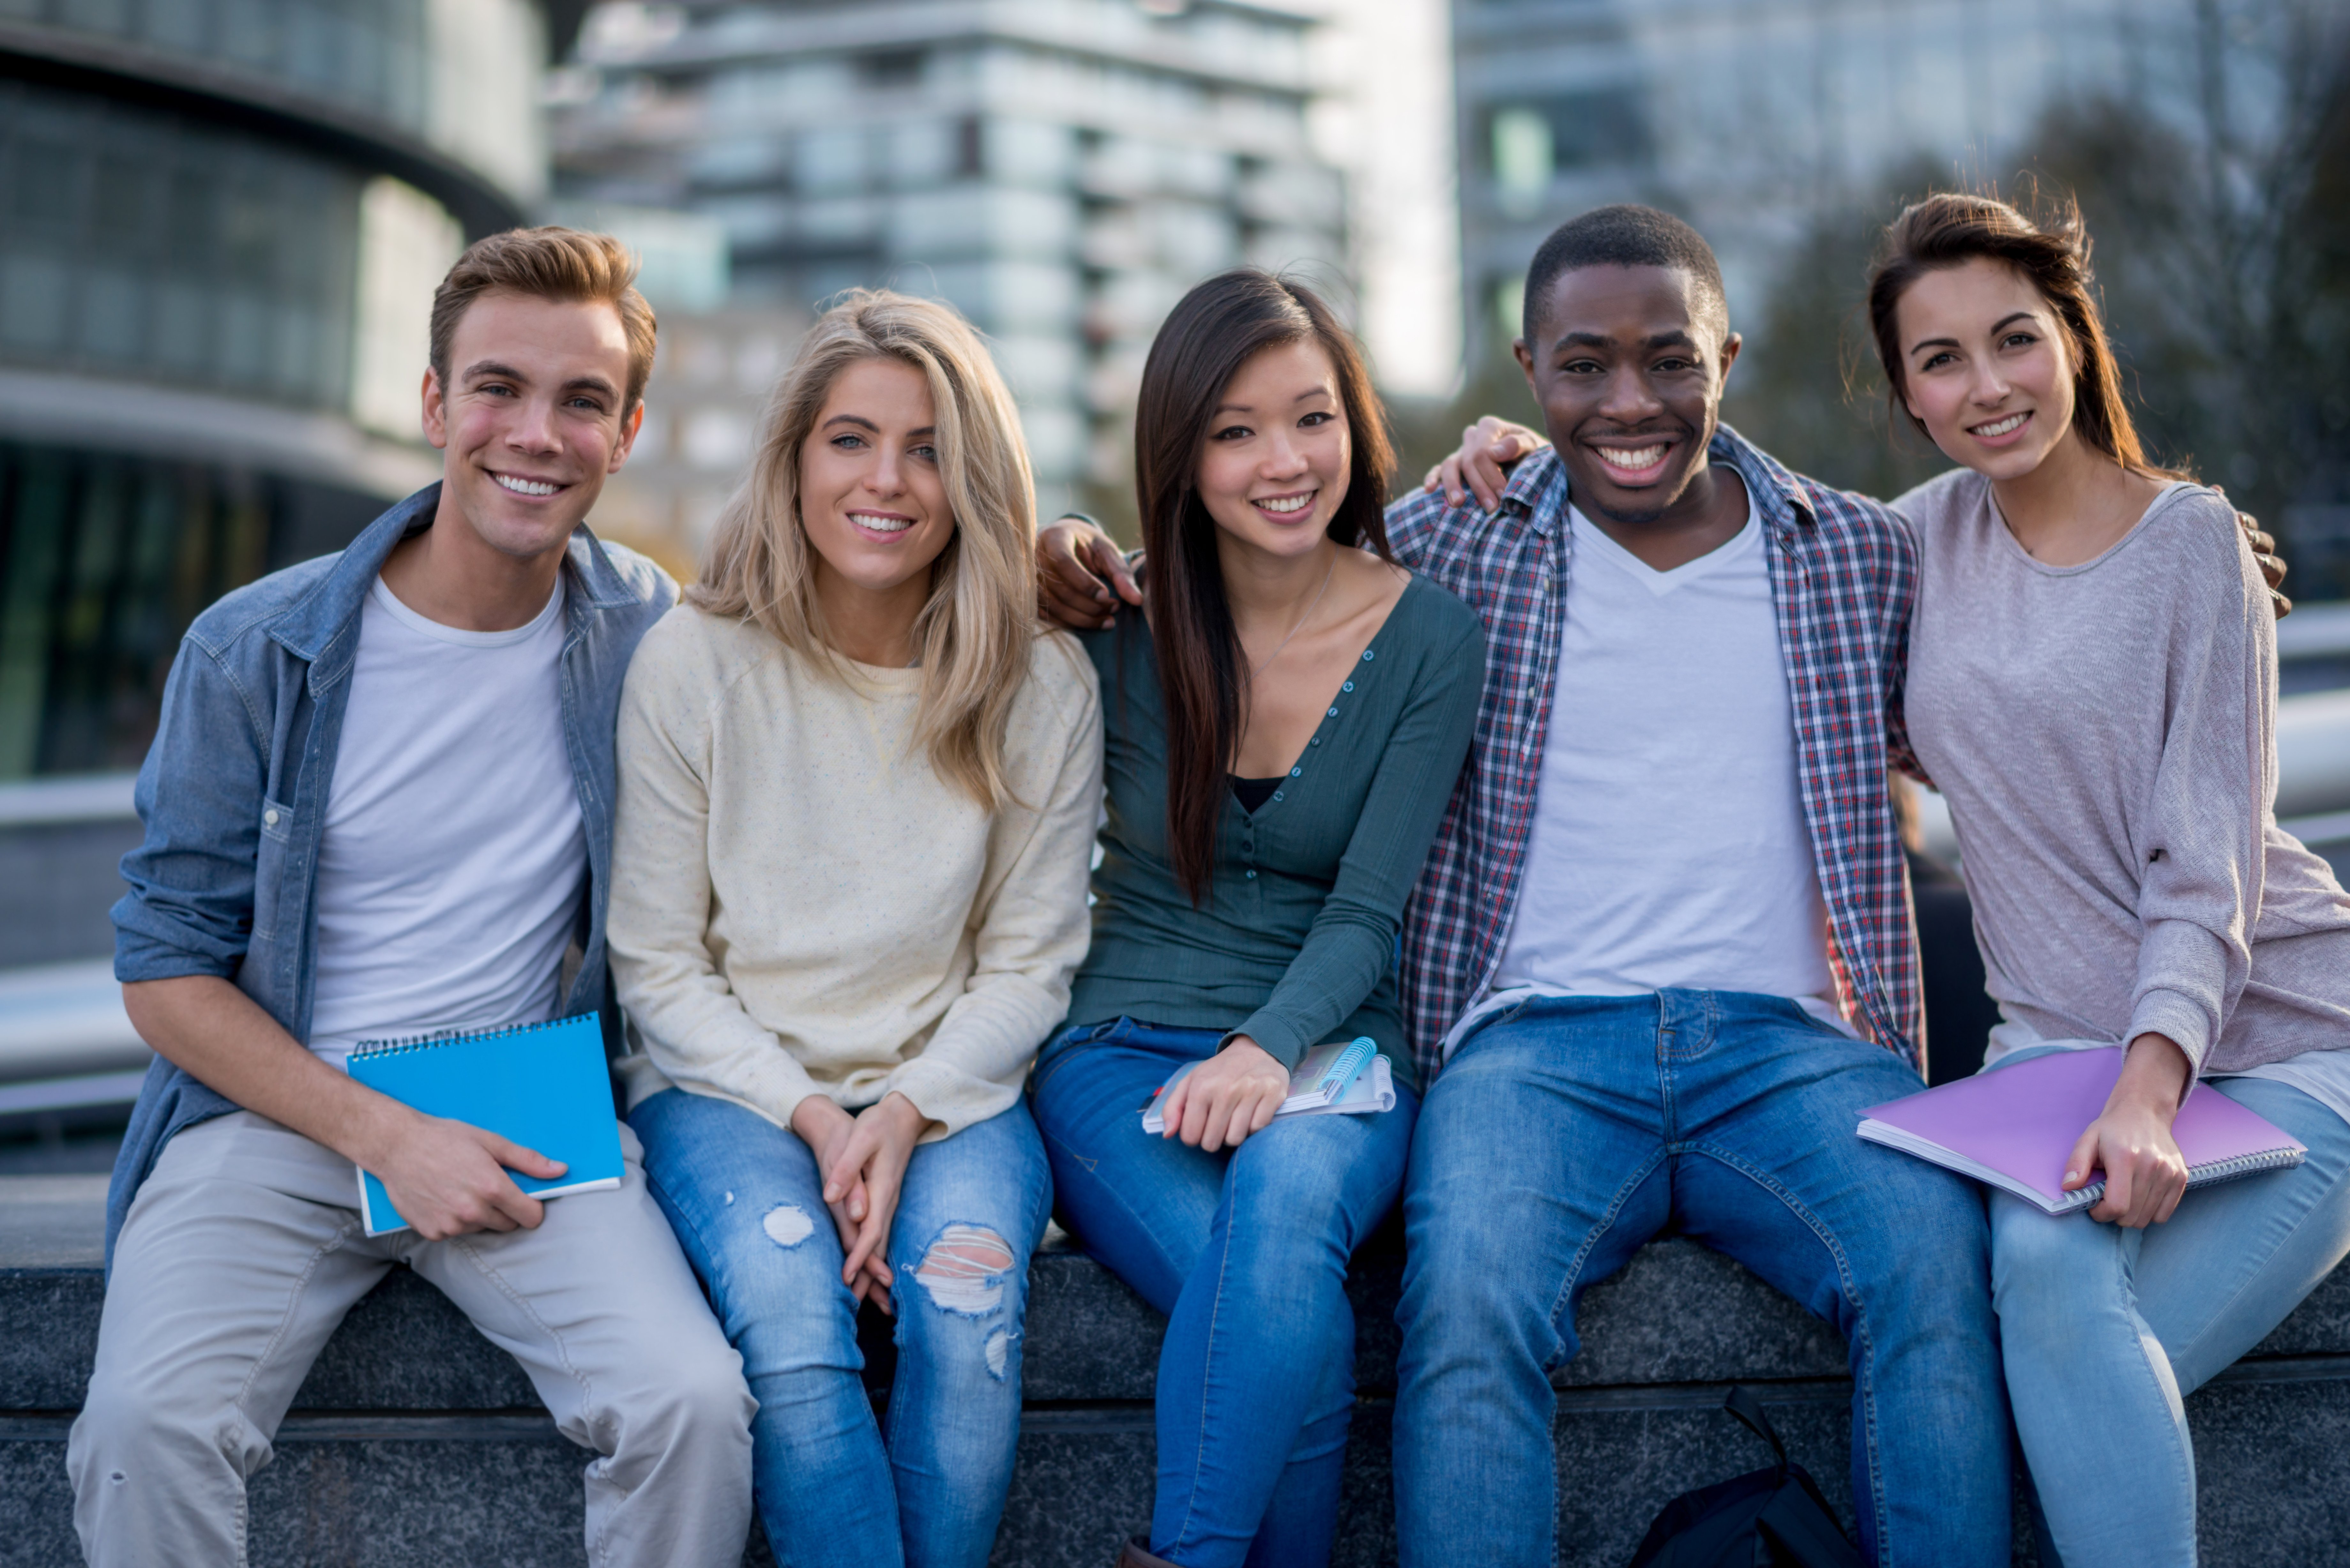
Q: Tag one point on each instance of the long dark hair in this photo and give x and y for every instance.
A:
(1202, 346)
(1953, 228)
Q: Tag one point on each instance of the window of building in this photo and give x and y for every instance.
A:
(104, 560)
(138, 242)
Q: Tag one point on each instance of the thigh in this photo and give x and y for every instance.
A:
(1534, 1160)
(1768, 1168)
(241, 1255)
(2238, 1256)
(1141, 1204)
(746, 1202)
(1333, 1176)
(974, 1206)
(597, 1303)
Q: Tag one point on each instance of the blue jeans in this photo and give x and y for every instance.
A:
(748, 1203)
(1563, 1136)
(1245, 1251)
(2106, 1330)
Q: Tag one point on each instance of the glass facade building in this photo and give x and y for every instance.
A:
(220, 225)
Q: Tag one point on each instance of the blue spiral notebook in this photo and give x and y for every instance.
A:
(544, 1085)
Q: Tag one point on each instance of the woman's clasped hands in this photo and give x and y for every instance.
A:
(863, 1159)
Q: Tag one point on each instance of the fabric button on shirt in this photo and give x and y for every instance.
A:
(268, 819)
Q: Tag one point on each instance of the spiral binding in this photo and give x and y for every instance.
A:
(375, 1050)
(2205, 1175)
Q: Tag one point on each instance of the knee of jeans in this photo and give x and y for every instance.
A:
(967, 1281)
(2046, 1261)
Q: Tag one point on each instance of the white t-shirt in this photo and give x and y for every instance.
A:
(1668, 846)
(453, 856)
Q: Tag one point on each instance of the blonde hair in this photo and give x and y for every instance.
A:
(569, 265)
(974, 634)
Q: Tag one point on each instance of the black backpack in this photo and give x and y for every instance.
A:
(1774, 1518)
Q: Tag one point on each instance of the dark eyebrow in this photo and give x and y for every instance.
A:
(1673, 340)
(2002, 325)
(588, 384)
(494, 368)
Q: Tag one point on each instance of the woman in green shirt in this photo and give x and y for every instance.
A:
(1282, 728)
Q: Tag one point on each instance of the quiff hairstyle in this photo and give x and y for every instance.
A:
(1953, 228)
(557, 264)
(976, 633)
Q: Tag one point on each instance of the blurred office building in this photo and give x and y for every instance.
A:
(221, 223)
(1752, 118)
(1060, 170)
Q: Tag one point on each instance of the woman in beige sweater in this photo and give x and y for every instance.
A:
(856, 801)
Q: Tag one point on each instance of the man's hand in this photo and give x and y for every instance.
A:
(1081, 576)
(1225, 1098)
(826, 1128)
(449, 1179)
(2272, 565)
(1487, 447)
(874, 1156)
(2144, 1173)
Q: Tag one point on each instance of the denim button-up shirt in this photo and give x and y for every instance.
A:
(234, 791)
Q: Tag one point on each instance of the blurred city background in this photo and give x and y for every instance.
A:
(221, 222)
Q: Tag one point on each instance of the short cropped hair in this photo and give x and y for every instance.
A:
(1621, 235)
(557, 264)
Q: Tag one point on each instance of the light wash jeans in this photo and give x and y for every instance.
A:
(832, 1488)
(1562, 1136)
(1245, 1251)
(2106, 1330)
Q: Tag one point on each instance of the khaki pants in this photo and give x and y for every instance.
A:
(244, 1252)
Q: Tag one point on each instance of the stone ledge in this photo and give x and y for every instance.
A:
(408, 1402)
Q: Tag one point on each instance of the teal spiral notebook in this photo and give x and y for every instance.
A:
(544, 1085)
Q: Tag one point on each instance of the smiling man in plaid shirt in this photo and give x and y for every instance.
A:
(1661, 951)
(1662, 948)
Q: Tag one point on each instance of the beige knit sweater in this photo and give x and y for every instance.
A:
(801, 905)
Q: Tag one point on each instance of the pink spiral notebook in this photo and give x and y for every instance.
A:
(2013, 1127)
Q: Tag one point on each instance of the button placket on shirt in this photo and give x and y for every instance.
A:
(1248, 821)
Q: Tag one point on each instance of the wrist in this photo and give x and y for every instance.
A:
(906, 1117)
(2156, 1074)
(814, 1118)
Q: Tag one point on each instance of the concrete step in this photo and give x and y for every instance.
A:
(416, 1441)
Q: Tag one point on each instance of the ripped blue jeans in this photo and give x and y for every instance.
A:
(926, 1485)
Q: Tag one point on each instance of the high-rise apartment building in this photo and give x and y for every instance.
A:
(1060, 170)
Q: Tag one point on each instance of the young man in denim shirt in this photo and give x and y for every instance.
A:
(380, 804)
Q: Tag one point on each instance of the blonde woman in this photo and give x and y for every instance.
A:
(857, 800)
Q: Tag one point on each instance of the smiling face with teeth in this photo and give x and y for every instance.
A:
(1279, 451)
(874, 504)
(1986, 369)
(1629, 363)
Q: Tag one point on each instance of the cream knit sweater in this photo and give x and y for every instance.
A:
(801, 905)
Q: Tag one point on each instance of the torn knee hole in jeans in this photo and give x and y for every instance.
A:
(964, 1270)
(787, 1224)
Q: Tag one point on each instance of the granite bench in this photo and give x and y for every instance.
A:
(409, 1404)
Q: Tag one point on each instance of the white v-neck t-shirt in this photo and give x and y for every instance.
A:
(1668, 846)
(453, 856)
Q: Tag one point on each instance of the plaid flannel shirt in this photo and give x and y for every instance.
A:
(1844, 575)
